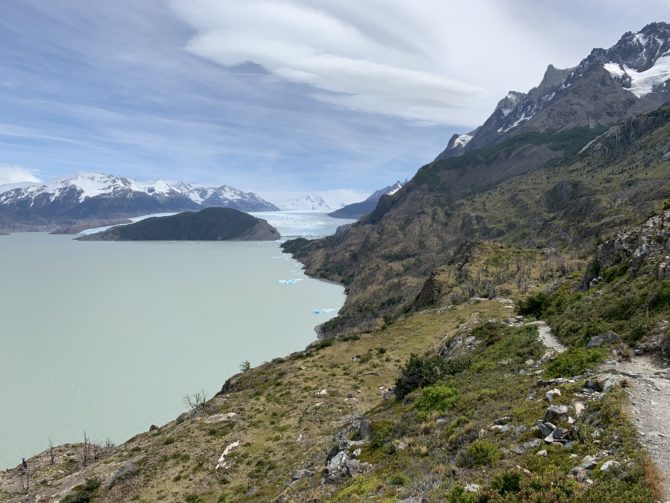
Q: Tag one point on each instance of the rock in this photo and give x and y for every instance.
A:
(222, 462)
(323, 392)
(502, 420)
(579, 473)
(579, 408)
(413, 499)
(472, 488)
(341, 466)
(599, 340)
(126, 470)
(608, 465)
(532, 444)
(153, 427)
(301, 474)
(218, 418)
(588, 462)
(604, 382)
(555, 413)
(553, 393)
(545, 428)
(365, 430)
(543, 453)
(498, 428)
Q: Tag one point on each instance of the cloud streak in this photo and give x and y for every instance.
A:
(16, 174)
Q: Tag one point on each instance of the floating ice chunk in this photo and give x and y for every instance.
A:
(325, 310)
(288, 281)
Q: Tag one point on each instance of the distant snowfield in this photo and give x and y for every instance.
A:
(307, 224)
(290, 224)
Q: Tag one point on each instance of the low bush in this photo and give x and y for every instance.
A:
(422, 371)
(575, 361)
(479, 453)
(436, 398)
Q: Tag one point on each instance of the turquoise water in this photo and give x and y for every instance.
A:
(107, 337)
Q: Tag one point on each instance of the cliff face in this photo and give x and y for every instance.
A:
(565, 190)
(212, 224)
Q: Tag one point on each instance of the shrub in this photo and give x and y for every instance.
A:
(575, 361)
(479, 453)
(84, 493)
(398, 479)
(507, 482)
(436, 398)
(421, 371)
(535, 305)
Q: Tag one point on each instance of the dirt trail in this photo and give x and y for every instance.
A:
(650, 408)
(547, 337)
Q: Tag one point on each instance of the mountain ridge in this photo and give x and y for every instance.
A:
(598, 91)
(359, 209)
(90, 196)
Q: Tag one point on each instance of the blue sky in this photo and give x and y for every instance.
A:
(273, 95)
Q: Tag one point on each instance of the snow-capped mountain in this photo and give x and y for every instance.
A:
(357, 210)
(610, 84)
(98, 196)
(311, 202)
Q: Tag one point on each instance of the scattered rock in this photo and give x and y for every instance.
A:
(126, 470)
(323, 392)
(501, 428)
(599, 340)
(553, 393)
(502, 420)
(219, 418)
(579, 473)
(301, 474)
(222, 462)
(608, 465)
(472, 488)
(153, 427)
(588, 462)
(604, 382)
(579, 408)
(543, 453)
(545, 428)
(556, 413)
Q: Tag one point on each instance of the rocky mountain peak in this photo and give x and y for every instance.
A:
(638, 67)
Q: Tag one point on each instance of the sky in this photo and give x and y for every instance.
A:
(274, 96)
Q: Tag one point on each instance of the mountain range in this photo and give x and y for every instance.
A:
(357, 210)
(95, 196)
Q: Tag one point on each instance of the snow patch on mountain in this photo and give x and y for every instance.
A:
(641, 83)
(462, 140)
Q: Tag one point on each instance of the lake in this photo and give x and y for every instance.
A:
(107, 337)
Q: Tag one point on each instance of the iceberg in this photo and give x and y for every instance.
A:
(288, 281)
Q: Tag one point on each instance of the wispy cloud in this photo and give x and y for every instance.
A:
(274, 95)
(16, 174)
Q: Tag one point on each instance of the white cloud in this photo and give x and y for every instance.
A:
(426, 61)
(16, 174)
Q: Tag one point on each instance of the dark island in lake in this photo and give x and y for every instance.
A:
(211, 224)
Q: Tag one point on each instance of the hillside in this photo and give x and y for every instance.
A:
(564, 189)
(211, 224)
